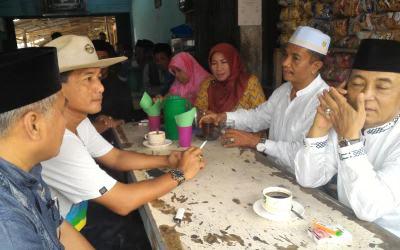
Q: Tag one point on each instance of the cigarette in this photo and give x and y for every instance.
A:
(203, 144)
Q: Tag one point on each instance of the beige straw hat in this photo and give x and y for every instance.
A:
(77, 52)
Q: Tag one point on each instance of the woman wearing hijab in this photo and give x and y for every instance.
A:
(230, 87)
(188, 76)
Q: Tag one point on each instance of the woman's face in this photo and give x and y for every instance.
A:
(180, 75)
(220, 67)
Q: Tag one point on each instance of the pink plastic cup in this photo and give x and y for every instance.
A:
(154, 123)
(185, 136)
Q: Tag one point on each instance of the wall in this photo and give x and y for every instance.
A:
(155, 24)
(19, 8)
(214, 22)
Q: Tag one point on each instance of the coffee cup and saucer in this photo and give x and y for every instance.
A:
(156, 139)
(277, 204)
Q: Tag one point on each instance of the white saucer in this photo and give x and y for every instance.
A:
(259, 209)
(167, 142)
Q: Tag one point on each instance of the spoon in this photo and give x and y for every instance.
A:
(296, 213)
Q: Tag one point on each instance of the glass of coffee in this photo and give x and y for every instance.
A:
(208, 130)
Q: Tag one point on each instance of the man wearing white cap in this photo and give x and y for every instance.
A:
(73, 175)
(289, 112)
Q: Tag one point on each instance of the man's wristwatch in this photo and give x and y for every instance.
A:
(177, 175)
(261, 145)
(343, 142)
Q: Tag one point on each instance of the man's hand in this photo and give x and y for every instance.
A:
(103, 122)
(191, 162)
(158, 98)
(237, 138)
(174, 158)
(346, 120)
(322, 123)
(212, 117)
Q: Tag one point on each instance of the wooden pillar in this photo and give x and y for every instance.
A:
(251, 49)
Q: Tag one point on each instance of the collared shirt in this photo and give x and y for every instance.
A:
(29, 218)
(368, 172)
(288, 120)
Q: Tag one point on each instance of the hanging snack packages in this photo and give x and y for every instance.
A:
(387, 5)
(288, 13)
(339, 28)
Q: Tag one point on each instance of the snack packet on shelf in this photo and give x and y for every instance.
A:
(387, 5)
(328, 234)
(350, 42)
(292, 12)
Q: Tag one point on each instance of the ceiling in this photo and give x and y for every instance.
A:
(38, 31)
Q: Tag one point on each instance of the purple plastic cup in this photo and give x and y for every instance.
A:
(154, 123)
(185, 136)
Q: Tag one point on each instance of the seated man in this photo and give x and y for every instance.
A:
(289, 111)
(73, 175)
(357, 137)
(162, 56)
(31, 130)
(117, 103)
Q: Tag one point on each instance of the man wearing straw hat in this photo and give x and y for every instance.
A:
(73, 175)
(289, 111)
(31, 130)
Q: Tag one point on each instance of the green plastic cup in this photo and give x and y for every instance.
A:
(173, 105)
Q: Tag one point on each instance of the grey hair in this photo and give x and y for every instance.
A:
(9, 118)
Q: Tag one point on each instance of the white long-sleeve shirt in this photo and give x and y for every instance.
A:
(288, 120)
(368, 178)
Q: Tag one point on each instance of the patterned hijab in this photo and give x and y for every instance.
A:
(224, 96)
(185, 62)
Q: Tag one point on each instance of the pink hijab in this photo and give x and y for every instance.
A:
(185, 62)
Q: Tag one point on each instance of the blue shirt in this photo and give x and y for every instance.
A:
(29, 218)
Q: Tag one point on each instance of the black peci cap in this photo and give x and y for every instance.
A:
(27, 76)
(378, 55)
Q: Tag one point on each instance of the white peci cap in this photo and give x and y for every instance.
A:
(311, 39)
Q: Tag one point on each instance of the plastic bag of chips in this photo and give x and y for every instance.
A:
(375, 22)
(334, 73)
(284, 39)
(323, 10)
(387, 35)
(288, 13)
(349, 42)
(387, 5)
(339, 28)
(288, 27)
(323, 25)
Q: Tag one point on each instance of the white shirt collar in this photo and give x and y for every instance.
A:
(384, 127)
(310, 87)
